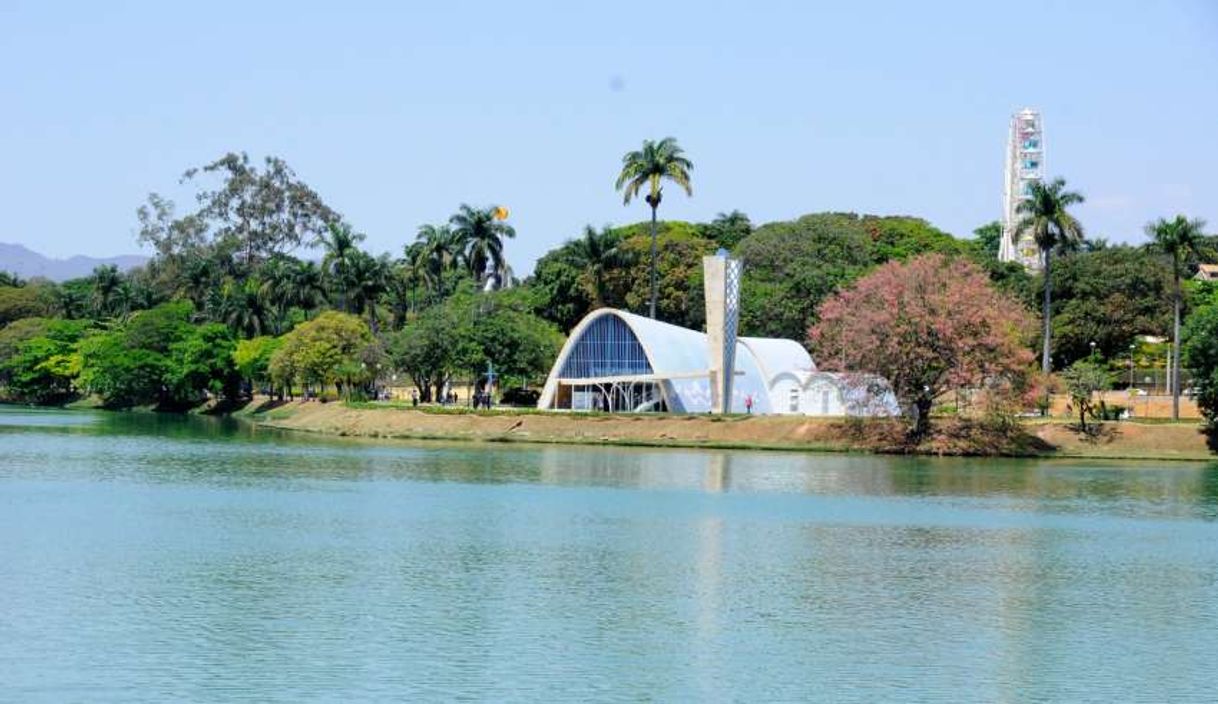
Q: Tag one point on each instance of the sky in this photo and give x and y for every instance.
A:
(396, 113)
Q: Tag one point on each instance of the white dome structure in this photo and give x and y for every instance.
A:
(618, 361)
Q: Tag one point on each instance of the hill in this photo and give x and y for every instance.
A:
(29, 264)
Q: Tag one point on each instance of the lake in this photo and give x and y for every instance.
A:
(147, 558)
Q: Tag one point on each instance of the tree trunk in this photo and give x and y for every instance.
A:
(922, 420)
(1175, 355)
(1045, 362)
(653, 261)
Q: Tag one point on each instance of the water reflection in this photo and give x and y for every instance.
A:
(155, 559)
(173, 448)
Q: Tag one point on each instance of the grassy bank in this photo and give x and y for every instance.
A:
(1127, 440)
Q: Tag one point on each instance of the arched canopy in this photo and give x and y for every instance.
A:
(611, 346)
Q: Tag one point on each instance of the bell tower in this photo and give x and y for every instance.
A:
(721, 282)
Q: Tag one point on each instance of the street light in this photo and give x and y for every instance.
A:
(1131, 349)
(1093, 348)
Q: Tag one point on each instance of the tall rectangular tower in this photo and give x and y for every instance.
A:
(1025, 165)
(721, 284)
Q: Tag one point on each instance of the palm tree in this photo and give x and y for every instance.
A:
(409, 273)
(341, 244)
(596, 253)
(276, 275)
(480, 236)
(305, 287)
(70, 302)
(1180, 239)
(440, 249)
(106, 284)
(648, 167)
(728, 229)
(242, 307)
(367, 279)
(1045, 217)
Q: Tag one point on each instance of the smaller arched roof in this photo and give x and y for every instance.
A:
(776, 356)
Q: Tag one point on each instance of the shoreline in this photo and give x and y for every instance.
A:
(1045, 439)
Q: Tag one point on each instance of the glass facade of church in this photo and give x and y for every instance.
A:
(608, 347)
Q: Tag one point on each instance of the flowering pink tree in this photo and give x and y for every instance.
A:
(929, 325)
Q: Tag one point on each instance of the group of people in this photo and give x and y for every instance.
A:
(480, 399)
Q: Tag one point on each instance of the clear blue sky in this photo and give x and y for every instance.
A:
(397, 114)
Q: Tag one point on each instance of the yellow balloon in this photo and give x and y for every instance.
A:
(501, 212)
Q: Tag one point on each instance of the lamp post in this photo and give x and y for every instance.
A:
(1131, 348)
(1092, 349)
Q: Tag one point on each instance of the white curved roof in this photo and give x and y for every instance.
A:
(776, 355)
(680, 357)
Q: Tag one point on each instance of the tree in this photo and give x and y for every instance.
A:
(791, 267)
(433, 347)
(38, 362)
(467, 332)
(1045, 217)
(1179, 239)
(1084, 379)
(558, 287)
(32, 300)
(1199, 343)
(989, 239)
(260, 211)
(479, 235)
(202, 361)
(128, 365)
(341, 246)
(252, 358)
(596, 253)
(649, 166)
(441, 251)
(728, 229)
(929, 326)
(324, 350)
(1108, 297)
(305, 287)
(677, 255)
(367, 281)
(107, 287)
(243, 308)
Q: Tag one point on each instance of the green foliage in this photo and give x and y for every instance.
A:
(791, 267)
(479, 237)
(557, 285)
(1108, 296)
(988, 239)
(468, 331)
(728, 229)
(325, 350)
(648, 167)
(17, 332)
(129, 366)
(253, 358)
(679, 252)
(33, 300)
(1084, 379)
(900, 237)
(42, 368)
(1199, 347)
(202, 361)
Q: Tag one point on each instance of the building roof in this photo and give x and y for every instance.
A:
(680, 356)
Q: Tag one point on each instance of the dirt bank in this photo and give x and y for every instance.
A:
(1118, 440)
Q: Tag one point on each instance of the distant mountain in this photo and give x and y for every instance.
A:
(28, 264)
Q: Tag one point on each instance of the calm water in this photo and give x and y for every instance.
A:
(155, 559)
